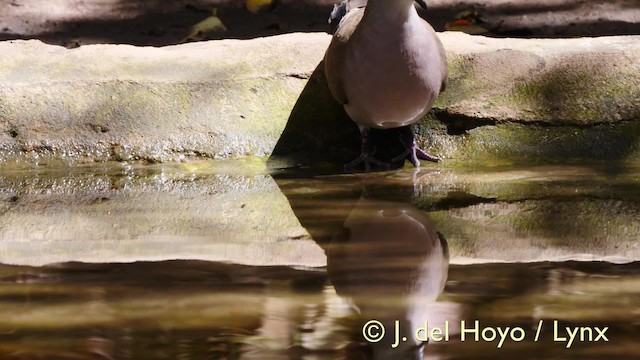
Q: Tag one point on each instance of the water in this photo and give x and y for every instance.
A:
(226, 260)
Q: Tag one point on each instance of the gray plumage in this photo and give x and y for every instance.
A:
(385, 65)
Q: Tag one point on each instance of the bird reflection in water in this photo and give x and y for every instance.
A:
(385, 259)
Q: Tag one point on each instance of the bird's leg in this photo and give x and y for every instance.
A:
(411, 149)
(366, 154)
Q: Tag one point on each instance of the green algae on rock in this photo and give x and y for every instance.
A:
(234, 98)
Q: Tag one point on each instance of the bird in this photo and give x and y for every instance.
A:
(386, 66)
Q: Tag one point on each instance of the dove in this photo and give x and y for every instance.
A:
(386, 66)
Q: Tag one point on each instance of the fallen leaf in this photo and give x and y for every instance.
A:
(206, 28)
(467, 22)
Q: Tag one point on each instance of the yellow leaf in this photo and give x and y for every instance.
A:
(206, 27)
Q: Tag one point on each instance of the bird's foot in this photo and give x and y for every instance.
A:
(411, 150)
(368, 161)
(367, 150)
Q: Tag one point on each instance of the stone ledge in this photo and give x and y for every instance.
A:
(234, 98)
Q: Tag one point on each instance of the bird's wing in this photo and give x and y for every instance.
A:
(442, 55)
(445, 69)
(334, 57)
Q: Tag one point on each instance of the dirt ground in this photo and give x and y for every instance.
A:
(74, 23)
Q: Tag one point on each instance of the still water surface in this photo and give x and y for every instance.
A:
(531, 251)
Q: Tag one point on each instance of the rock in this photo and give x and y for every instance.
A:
(579, 98)
(542, 99)
(506, 100)
(579, 82)
(117, 102)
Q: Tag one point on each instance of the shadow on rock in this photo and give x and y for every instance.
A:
(318, 129)
(319, 132)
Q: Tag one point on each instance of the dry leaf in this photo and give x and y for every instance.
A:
(206, 28)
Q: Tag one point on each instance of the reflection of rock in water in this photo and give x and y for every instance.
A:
(391, 264)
